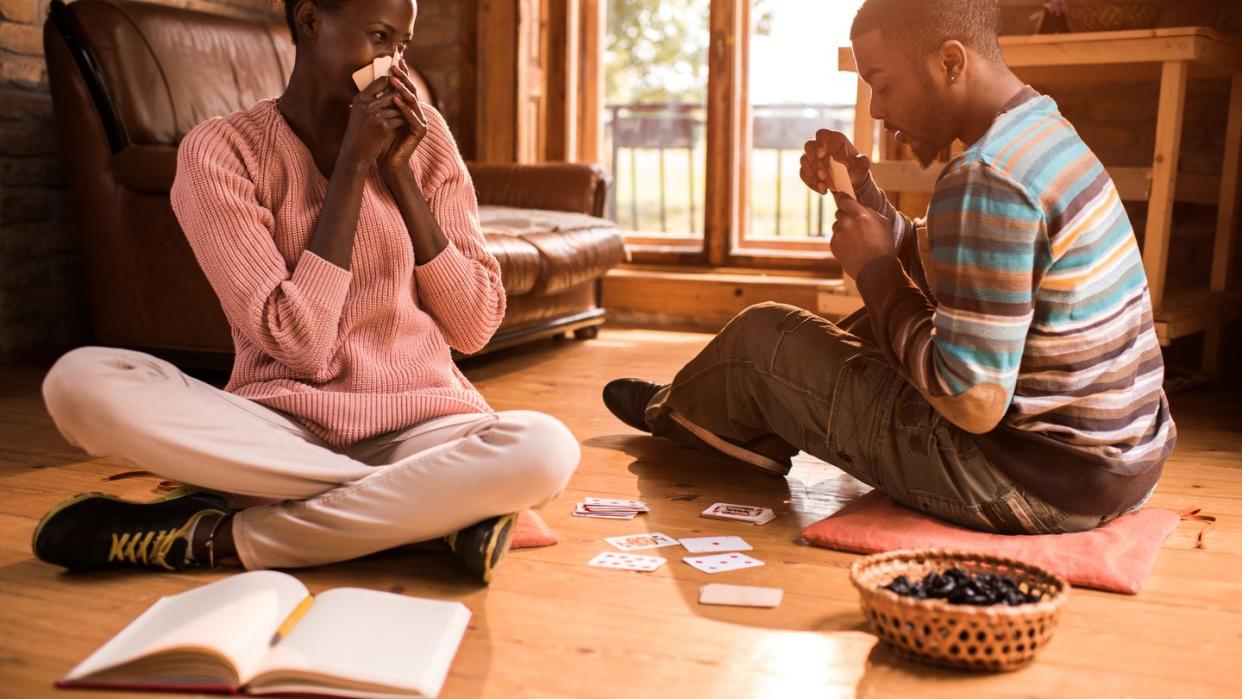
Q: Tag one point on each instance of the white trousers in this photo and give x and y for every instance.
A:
(306, 503)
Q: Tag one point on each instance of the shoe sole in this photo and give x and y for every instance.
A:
(501, 540)
(750, 458)
(82, 497)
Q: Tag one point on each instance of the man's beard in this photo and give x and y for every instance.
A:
(927, 147)
(937, 109)
(925, 154)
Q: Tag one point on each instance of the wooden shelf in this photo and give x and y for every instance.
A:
(1121, 56)
(1196, 311)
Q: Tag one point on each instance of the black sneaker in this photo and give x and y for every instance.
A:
(94, 531)
(628, 400)
(480, 546)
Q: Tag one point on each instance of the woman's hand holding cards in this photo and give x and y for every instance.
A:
(374, 120)
(397, 160)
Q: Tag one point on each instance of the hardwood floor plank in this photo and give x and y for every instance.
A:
(551, 626)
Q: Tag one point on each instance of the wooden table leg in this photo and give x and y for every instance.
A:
(1226, 219)
(1164, 177)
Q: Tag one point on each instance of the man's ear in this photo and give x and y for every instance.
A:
(306, 17)
(952, 60)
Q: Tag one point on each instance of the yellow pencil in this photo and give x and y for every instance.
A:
(292, 620)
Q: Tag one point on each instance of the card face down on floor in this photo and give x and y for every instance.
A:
(635, 542)
(740, 595)
(609, 508)
(606, 504)
(581, 511)
(723, 563)
(740, 513)
(626, 561)
(715, 544)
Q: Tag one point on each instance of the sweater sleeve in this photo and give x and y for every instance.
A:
(871, 196)
(460, 287)
(989, 248)
(291, 314)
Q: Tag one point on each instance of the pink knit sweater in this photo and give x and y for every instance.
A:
(350, 354)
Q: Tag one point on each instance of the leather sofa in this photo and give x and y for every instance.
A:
(129, 79)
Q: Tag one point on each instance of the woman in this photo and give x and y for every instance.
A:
(339, 229)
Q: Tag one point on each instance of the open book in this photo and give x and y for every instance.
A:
(262, 633)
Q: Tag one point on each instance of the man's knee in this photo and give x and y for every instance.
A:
(766, 317)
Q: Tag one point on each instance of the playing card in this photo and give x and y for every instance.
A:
(740, 513)
(839, 178)
(579, 511)
(370, 73)
(740, 595)
(635, 542)
(715, 544)
(383, 64)
(626, 561)
(723, 562)
(364, 76)
(600, 504)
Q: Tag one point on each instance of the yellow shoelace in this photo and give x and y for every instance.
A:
(148, 548)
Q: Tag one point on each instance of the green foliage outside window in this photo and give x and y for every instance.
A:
(657, 49)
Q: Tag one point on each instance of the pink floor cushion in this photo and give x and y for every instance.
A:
(1116, 557)
(533, 532)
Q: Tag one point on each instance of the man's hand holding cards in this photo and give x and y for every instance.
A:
(830, 163)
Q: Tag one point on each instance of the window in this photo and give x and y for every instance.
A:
(655, 73)
(707, 104)
(794, 90)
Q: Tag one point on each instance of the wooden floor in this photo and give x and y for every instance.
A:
(550, 626)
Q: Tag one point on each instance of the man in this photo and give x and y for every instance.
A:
(1006, 375)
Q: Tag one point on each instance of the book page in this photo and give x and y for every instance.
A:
(369, 640)
(233, 618)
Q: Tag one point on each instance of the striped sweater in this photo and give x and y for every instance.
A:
(1022, 313)
(350, 354)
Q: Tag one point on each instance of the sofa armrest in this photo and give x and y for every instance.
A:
(578, 187)
(146, 169)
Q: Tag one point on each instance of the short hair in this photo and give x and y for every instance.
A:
(922, 26)
(291, 6)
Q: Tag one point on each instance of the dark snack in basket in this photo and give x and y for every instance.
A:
(956, 586)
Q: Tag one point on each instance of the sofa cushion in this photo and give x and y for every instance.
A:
(556, 186)
(166, 69)
(520, 262)
(574, 248)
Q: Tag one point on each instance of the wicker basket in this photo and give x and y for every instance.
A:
(997, 637)
(1112, 15)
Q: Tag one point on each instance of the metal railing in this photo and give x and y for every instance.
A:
(664, 127)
